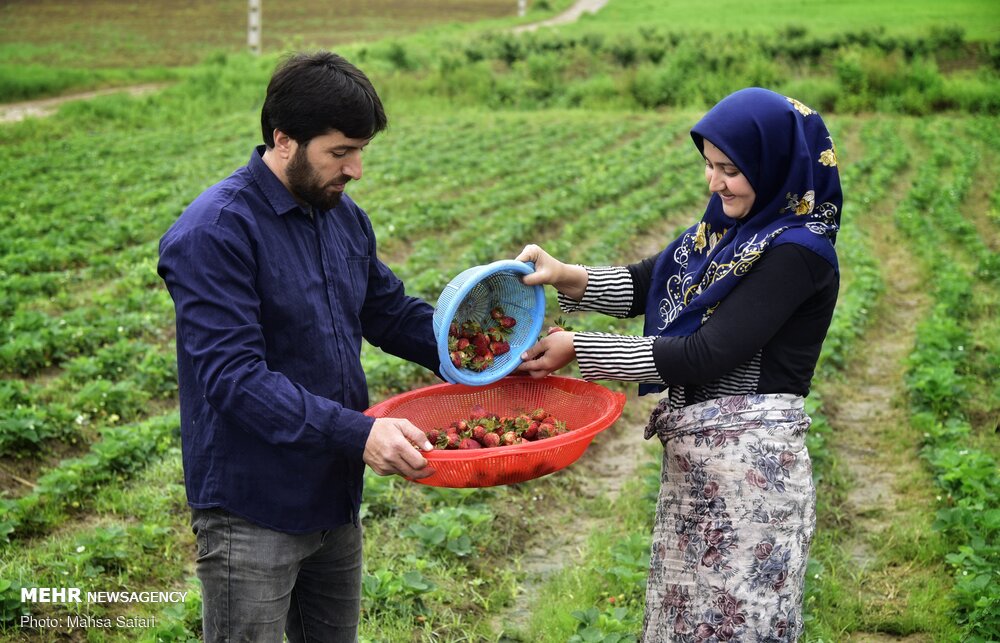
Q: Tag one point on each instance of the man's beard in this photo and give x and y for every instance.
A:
(305, 184)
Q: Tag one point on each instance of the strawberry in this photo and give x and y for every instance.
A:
(469, 443)
(559, 324)
(481, 342)
(482, 362)
(469, 329)
(488, 430)
(453, 329)
(476, 345)
(499, 348)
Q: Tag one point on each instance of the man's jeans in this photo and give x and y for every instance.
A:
(258, 583)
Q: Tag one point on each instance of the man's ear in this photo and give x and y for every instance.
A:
(284, 145)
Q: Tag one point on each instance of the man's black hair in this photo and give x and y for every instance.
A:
(310, 94)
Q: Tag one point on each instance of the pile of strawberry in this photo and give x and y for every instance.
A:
(474, 347)
(483, 429)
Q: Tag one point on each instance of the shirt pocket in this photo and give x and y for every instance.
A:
(357, 278)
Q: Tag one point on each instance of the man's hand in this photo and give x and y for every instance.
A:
(390, 449)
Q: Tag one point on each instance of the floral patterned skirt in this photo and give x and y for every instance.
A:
(734, 519)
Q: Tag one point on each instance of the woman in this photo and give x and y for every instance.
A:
(736, 311)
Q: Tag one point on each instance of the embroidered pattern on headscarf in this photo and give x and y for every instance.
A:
(802, 109)
(828, 157)
(679, 297)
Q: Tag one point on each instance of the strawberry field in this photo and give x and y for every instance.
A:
(573, 140)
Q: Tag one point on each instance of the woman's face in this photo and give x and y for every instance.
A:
(726, 180)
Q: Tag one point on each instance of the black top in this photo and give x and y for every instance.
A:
(764, 337)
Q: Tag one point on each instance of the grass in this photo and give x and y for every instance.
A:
(979, 18)
(136, 534)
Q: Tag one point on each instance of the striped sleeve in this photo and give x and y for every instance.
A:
(609, 291)
(603, 356)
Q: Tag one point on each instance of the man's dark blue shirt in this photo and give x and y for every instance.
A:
(272, 303)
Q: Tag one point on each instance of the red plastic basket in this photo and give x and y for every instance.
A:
(586, 408)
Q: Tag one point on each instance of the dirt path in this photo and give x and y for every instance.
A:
(572, 14)
(867, 409)
(12, 112)
(869, 404)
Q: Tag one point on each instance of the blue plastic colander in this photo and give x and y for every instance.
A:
(471, 296)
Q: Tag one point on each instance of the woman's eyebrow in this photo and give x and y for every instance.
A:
(722, 163)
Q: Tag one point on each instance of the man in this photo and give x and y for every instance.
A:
(275, 281)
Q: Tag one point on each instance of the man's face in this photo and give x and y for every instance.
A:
(319, 170)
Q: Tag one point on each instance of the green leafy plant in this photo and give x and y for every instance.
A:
(387, 591)
(450, 529)
(11, 607)
(613, 625)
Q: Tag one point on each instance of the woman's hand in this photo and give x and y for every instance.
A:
(548, 355)
(567, 279)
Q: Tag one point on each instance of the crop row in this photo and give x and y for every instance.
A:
(941, 373)
(865, 179)
(118, 454)
(507, 214)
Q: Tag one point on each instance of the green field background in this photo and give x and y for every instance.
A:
(575, 138)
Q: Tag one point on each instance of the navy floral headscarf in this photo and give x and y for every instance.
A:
(786, 153)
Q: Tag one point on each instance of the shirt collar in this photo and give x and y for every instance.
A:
(274, 190)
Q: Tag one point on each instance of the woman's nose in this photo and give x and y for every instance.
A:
(715, 182)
